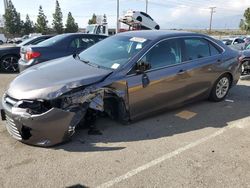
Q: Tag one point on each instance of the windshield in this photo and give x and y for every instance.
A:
(90, 29)
(52, 41)
(113, 52)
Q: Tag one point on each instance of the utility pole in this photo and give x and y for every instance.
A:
(117, 18)
(212, 11)
(146, 6)
(5, 2)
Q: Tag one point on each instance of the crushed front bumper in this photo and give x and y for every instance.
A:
(46, 129)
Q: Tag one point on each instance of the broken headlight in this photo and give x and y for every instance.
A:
(34, 107)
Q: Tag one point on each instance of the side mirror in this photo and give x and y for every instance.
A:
(142, 66)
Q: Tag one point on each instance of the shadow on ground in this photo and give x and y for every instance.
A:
(209, 114)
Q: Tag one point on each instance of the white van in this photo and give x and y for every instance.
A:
(3, 39)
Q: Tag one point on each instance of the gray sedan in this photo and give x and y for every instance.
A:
(127, 76)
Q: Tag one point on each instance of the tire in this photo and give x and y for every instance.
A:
(9, 64)
(157, 27)
(245, 67)
(220, 88)
(139, 18)
(1, 42)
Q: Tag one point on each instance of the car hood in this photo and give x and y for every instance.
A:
(53, 78)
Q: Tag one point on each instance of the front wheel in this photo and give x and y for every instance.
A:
(220, 88)
(245, 68)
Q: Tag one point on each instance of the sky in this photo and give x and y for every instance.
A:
(169, 14)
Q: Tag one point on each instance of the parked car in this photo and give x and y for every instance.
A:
(127, 76)
(231, 41)
(245, 62)
(247, 43)
(3, 39)
(9, 56)
(56, 47)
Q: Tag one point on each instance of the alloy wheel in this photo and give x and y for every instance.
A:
(222, 87)
(9, 64)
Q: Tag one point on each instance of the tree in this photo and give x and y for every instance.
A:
(41, 22)
(245, 23)
(57, 19)
(92, 20)
(71, 25)
(28, 26)
(13, 24)
(247, 19)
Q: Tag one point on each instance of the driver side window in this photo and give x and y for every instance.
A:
(165, 53)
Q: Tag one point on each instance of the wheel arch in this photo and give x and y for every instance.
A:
(11, 54)
(115, 107)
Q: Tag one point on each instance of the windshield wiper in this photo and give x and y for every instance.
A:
(82, 60)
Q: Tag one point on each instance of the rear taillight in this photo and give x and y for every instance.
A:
(31, 55)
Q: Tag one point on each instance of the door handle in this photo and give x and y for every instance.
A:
(181, 72)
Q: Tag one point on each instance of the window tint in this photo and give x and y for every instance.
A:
(52, 41)
(165, 53)
(196, 48)
(239, 41)
(81, 42)
(37, 41)
(213, 50)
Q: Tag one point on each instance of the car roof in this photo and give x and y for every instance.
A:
(87, 34)
(158, 34)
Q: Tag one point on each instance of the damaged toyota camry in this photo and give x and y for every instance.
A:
(126, 76)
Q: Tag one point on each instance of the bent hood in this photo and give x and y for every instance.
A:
(53, 78)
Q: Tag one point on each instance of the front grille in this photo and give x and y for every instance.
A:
(12, 129)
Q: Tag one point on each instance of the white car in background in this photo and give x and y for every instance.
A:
(144, 19)
(232, 41)
(3, 39)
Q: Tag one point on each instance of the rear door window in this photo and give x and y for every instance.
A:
(214, 50)
(196, 48)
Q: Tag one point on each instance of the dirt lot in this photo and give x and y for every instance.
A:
(201, 145)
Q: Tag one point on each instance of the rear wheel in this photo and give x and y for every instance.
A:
(139, 18)
(220, 88)
(1, 42)
(9, 64)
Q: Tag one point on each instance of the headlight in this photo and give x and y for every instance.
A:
(34, 107)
